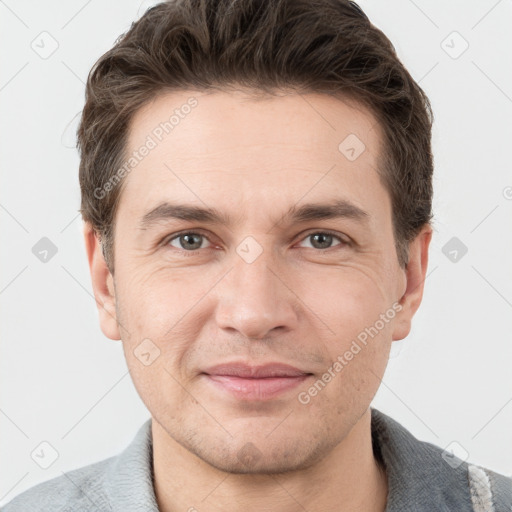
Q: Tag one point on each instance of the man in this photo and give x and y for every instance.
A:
(257, 188)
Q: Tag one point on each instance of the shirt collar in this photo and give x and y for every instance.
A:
(418, 477)
(130, 478)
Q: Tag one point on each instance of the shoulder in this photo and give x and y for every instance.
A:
(119, 483)
(489, 489)
(80, 489)
(424, 476)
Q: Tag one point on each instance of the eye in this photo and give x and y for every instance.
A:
(192, 241)
(187, 241)
(324, 239)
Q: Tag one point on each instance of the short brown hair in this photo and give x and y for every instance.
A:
(323, 46)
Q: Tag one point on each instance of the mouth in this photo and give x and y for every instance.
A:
(245, 382)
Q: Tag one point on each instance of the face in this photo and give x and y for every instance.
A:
(300, 270)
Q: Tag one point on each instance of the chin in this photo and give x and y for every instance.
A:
(279, 457)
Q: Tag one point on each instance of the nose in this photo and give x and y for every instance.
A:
(256, 299)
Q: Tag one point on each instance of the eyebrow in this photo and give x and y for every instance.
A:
(340, 208)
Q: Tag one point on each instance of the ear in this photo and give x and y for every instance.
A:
(102, 284)
(415, 274)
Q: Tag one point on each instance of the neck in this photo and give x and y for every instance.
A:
(349, 478)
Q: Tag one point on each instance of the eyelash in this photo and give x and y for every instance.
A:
(343, 243)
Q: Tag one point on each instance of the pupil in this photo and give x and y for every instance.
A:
(188, 237)
(324, 236)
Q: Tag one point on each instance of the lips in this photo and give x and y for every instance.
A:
(255, 372)
(246, 382)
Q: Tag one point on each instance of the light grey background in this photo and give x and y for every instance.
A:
(64, 383)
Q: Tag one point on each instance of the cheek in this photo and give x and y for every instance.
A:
(357, 359)
(151, 300)
(358, 319)
(347, 301)
(159, 387)
(161, 317)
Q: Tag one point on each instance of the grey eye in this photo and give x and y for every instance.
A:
(321, 240)
(188, 241)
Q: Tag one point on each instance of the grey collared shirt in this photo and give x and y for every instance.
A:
(421, 478)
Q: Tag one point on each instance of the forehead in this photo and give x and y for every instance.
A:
(241, 150)
(313, 121)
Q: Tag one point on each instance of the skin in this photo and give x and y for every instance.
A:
(298, 303)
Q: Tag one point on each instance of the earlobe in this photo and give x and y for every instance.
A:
(102, 284)
(415, 274)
